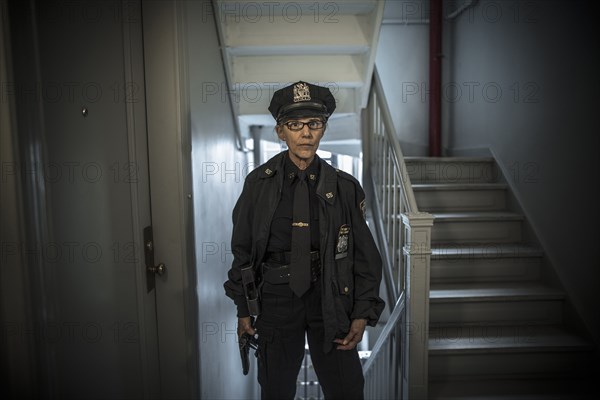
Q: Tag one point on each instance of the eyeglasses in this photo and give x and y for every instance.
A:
(313, 125)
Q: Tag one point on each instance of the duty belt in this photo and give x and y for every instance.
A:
(276, 268)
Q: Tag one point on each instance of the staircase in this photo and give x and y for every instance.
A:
(497, 328)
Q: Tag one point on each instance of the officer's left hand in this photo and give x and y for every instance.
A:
(354, 336)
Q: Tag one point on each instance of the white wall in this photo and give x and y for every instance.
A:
(218, 172)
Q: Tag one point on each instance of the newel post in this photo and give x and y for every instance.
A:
(417, 253)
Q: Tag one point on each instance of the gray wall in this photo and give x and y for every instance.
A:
(519, 81)
(541, 127)
(402, 62)
(219, 172)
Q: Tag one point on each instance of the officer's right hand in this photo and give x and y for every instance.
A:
(245, 325)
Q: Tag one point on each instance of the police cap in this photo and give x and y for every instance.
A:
(302, 99)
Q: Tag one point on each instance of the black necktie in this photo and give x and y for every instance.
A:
(300, 259)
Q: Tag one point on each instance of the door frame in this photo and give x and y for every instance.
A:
(170, 166)
(133, 92)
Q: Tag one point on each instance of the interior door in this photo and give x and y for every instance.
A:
(104, 170)
(78, 72)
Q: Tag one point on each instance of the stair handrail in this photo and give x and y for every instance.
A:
(392, 137)
(397, 365)
(237, 130)
(387, 357)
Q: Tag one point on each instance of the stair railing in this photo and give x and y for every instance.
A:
(397, 366)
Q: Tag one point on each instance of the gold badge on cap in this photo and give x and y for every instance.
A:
(341, 249)
(301, 92)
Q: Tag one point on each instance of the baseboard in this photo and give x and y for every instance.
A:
(468, 152)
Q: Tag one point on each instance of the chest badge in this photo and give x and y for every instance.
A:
(341, 248)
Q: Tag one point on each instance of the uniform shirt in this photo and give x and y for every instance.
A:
(280, 238)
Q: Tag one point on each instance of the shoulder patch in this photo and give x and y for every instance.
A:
(363, 208)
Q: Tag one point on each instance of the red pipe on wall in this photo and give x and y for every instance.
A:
(435, 78)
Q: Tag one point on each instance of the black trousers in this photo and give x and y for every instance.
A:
(282, 325)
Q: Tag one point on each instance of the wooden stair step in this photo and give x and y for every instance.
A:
(491, 262)
(510, 291)
(445, 197)
(423, 187)
(512, 389)
(487, 339)
(418, 159)
(483, 250)
(476, 216)
(477, 226)
(495, 302)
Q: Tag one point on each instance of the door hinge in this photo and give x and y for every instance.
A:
(151, 269)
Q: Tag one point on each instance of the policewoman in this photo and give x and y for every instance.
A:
(300, 223)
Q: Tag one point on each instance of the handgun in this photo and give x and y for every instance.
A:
(246, 342)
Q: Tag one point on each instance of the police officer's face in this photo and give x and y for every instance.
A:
(303, 143)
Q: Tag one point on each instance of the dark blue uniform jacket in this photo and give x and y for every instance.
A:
(351, 270)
